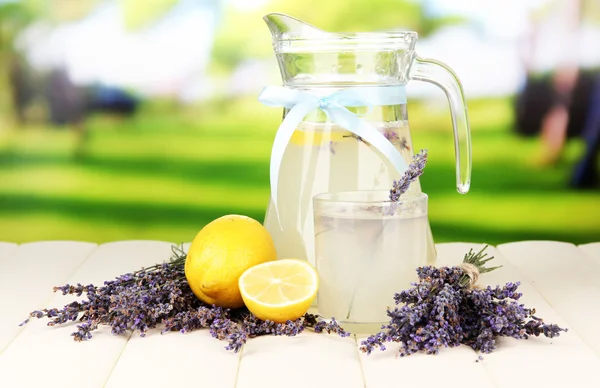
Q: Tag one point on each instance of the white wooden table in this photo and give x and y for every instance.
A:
(560, 280)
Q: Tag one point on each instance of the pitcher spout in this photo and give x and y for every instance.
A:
(285, 27)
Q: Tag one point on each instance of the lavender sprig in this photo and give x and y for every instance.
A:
(321, 326)
(443, 309)
(415, 170)
(399, 187)
(160, 295)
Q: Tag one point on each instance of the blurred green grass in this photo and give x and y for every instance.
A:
(165, 173)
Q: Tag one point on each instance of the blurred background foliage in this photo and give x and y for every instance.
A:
(172, 136)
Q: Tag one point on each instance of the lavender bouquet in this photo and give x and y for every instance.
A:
(160, 296)
(446, 308)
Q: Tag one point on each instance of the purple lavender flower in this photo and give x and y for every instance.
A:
(330, 327)
(160, 295)
(415, 170)
(442, 309)
(84, 331)
(251, 327)
(391, 135)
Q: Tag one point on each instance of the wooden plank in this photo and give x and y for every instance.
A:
(307, 360)
(592, 250)
(48, 355)
(28, 273)
(6, 249)
(561, 362)
(451, 367)
(42, 355)
(566, 278)
(176, 359)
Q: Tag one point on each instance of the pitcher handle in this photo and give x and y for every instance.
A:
(439, 74)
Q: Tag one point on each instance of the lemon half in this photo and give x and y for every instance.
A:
(279, 290)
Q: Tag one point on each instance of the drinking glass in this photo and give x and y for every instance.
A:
(367, 248)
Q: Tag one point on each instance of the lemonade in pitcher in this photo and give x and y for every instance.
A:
(345, 125)
(330, 159)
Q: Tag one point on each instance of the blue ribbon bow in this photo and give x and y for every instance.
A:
(301, 103)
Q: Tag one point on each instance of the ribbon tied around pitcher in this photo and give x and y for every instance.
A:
(300, 103)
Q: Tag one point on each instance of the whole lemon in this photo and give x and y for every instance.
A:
(221, 252)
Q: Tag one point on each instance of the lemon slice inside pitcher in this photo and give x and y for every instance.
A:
(315, 136)
(279, 290)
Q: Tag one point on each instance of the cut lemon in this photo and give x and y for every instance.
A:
(221, 252)
(279, 290)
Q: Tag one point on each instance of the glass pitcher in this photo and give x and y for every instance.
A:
(320, 152)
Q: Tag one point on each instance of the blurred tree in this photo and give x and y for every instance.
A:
(140, 13)
(56, 11)
(354, 15)
(60, 11)
(241, 34)
(20, 86)
(591, 11)
(13, 17)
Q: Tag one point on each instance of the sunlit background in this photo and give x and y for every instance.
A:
(138, 119)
